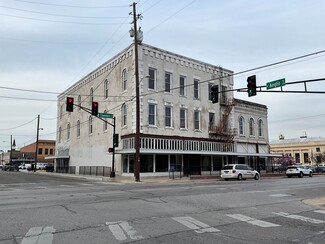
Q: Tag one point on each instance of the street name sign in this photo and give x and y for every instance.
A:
(276, 83)
(105, 116)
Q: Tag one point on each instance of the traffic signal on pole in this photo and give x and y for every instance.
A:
(214, 93)
(251, 85)
(69, 107)
(115, 140)
(94, 108)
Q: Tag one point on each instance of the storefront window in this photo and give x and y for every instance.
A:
(125, 164)
(146, 163)
(131, 164)
(161, 163)
(217, 163)
(206, 163)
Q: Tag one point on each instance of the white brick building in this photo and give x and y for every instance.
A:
(180, 127)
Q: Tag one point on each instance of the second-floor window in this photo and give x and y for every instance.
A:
(68, 131)
(251, 127)
(90, 125)
(196, 89)
(124, 114)
(211, 121)
(124, 79)
(106, 89)
(168, 82)
(46, 151)
(168, 116)
(78, 128)
(79, 102)
(152, 114)
(197, 120)
(182, 117)
(182, 86)
(40, 151)
(152, 79)
(260, 128)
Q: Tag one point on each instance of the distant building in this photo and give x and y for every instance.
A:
(180, 127)
(46, 148)
(304, 150)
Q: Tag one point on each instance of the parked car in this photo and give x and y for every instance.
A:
(28, 167)
(11, 167)
(320, 169)
(1, 166)
(40, 166)
(310, 167)
(298, 170)
(239, 172)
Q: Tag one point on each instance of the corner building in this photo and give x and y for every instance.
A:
(180, 128)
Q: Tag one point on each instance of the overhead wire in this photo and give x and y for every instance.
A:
(16, 127)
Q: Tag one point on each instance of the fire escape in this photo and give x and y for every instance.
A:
(222, 131)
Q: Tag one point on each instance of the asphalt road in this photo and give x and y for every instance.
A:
(46, 209)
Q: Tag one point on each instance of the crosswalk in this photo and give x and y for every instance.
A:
(125, 231)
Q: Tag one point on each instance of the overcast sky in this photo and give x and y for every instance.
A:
(47, 45)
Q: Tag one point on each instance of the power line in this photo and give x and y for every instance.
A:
(71, 6)
(20, 125)
(61, 15)
(53, 42)
(305, 117)
(58, 21)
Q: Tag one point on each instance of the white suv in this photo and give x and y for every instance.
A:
(239, 172)
(298, 170)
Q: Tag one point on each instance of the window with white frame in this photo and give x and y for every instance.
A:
(78, 129)
(211, 121)
(182, 117)
(124, 111)
(168, 116)
(152, 78)
(90, 125)
(241, 124)
(152, 114)
(124, 79)
(91, 96)
(197, 120)
(104, 122)
(182, 84)
(79, 102)
(68, 131)
(196, 88)
(106, 89)
(251, 127)
(168, 81)
(260, 127)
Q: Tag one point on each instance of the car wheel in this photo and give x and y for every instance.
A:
(301, 175)
(239, 177)
(226, 179)
(289, 176)
(256, 177)
(311, 174)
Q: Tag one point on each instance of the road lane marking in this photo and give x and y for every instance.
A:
(39, 235)
(299, 217)
(252, 221)
(122, 230)
(320, 211)
(280, 195)
(195, 225)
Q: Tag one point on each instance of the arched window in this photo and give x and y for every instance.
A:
(79, 102)
(260, 128)
(61, 111)
(68, 131)
(106, 89)
(78, 129)
(91, 96)
(59, 134)
(124, 111)
(124, 79)
(241, 126)
(105, 123)
(90, 125)
(251, 127)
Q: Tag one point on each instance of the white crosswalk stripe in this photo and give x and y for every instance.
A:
(252, 221)
(195, 225)
(320, 211)
(122, 230)
(39, 235)
(299, 217)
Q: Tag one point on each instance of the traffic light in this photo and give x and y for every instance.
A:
(251, 85)
(214, 93)
(115, 140)
(94, 108)
(69, 107)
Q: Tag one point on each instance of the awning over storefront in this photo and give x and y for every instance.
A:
(56, 157)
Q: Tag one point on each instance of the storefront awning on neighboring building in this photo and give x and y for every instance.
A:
(56, 157)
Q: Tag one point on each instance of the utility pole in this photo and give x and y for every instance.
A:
(137, 90)
(10, 154)
(36, 149)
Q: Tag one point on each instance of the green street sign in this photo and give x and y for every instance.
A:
(105, 116)
(276, 83)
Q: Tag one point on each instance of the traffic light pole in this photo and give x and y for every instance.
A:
(112, 175)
